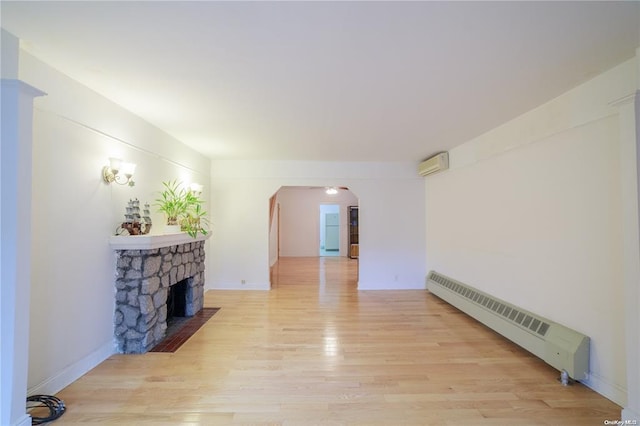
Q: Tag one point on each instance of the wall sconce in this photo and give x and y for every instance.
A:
(195, 188)
(119, 172)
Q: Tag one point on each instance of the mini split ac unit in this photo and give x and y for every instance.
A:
(434, 164)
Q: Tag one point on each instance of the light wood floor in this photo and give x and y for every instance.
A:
(314, 350)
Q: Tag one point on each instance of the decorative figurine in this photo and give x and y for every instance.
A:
(133, 223)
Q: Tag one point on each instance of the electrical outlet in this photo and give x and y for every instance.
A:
(243, 282)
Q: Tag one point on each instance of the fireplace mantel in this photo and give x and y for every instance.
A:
(150, 242)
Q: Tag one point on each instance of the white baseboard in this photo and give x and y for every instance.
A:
(387, 286)
(607, 389)
(247, 286)
(24, 421)
(64, 378)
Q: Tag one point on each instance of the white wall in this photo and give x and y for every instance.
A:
(532, 211)
(300, 219)
(74, 212)
(391, 199)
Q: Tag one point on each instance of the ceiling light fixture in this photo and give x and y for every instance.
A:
(119, 172)
(331, 191)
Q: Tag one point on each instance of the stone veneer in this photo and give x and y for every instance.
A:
(143, 278)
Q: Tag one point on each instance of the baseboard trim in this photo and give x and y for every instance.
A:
(247, 286)
(605, 388)
(24, 421)
(395, 286)
(64, 378)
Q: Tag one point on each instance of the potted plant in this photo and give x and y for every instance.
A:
(182, 208)
(194, 219)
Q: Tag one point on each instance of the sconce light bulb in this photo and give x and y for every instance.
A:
(128, 169)
(115, 164)
(196, 188)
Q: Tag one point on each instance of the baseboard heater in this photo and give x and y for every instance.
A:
(557, 345)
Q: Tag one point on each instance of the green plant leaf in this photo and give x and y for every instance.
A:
(182, 206)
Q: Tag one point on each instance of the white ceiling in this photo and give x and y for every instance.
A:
(335, 81)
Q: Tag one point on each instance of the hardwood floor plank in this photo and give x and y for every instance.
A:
(316, 351)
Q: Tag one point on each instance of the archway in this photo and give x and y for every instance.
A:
(295, 221)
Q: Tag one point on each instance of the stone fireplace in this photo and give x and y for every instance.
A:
(146, 268)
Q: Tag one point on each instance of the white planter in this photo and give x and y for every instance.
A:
(172, 229)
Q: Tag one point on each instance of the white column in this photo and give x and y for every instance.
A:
(629, 126)
(15, 248)
(630, 138)
(630, 132)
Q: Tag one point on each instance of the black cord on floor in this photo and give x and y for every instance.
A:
(55, 405)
